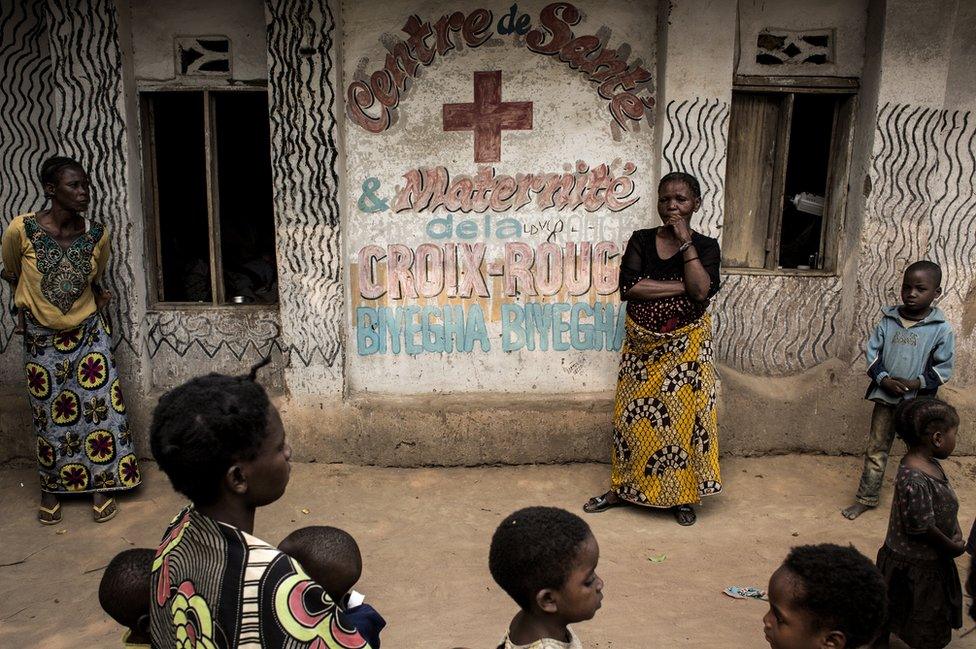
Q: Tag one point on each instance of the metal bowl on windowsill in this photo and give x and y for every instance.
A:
(241, 299)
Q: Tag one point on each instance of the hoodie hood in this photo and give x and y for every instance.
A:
(936, 315)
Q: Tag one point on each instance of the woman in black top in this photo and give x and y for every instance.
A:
(665, 430)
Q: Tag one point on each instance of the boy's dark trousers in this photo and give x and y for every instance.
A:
(876, 455)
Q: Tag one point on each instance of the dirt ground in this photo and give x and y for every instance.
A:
(424, 534)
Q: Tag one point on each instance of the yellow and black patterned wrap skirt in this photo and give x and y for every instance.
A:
(665, 429)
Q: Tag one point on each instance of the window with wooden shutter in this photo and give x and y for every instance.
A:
(786, 173)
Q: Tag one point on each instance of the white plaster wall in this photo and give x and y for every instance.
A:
(156, 22)
(570, 123)
(846, 17)
(917, 42)
(961, 81)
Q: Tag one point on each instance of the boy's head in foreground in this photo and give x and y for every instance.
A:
(545, 559)
(825, 597)
(124, 591)
(329, 555)
(920, 286)
(218, 438)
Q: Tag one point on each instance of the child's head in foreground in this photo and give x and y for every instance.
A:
(545, 559)
(921, 285)
(219, 437)
(930, 424)
(329, 555)
(124, 591)
(825, 597)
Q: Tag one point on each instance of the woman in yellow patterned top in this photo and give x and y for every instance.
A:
(665, 431)
(53, 259)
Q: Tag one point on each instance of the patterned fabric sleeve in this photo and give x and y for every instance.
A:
(102, 252)
(914, 500)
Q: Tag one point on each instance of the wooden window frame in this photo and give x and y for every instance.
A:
(839, 156)
(151, 200)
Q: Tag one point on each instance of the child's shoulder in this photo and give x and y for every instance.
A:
(938, 318)
(888, 313)
(545, 643)
(912, 476)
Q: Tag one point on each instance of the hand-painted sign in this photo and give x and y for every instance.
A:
(371, 104)
(498, 200)
(592, 189)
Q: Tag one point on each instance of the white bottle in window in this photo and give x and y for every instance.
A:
(809, 203)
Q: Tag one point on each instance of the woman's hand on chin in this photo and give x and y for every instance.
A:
(680, 228)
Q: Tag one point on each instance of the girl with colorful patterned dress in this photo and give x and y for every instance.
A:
(665, 429)
(53, 259)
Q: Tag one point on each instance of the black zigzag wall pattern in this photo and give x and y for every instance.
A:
(302, 85)
(765, 325)
(86, 60)
(27, 124)
(696, 142)
(922, 205)
(240, 334)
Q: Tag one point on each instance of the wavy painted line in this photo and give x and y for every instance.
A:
(84, 40)
(775, 326)
(26, 130)
(954, 214)
(695, 142)
(304, 168)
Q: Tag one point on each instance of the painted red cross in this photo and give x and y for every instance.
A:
(487, 116)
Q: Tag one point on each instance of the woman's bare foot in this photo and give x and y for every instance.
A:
(855, 510)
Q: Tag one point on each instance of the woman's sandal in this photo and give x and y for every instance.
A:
(50, 516)
(600, 503)
(685, 515)
(98, 513)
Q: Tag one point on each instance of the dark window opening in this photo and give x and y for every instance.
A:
(181, 196)
(209, 172)
(247, 235)
(807, 164)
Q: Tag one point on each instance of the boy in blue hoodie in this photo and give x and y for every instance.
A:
(909, 354)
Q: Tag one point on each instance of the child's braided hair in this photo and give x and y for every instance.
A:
(199, 429)
(924, 416)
